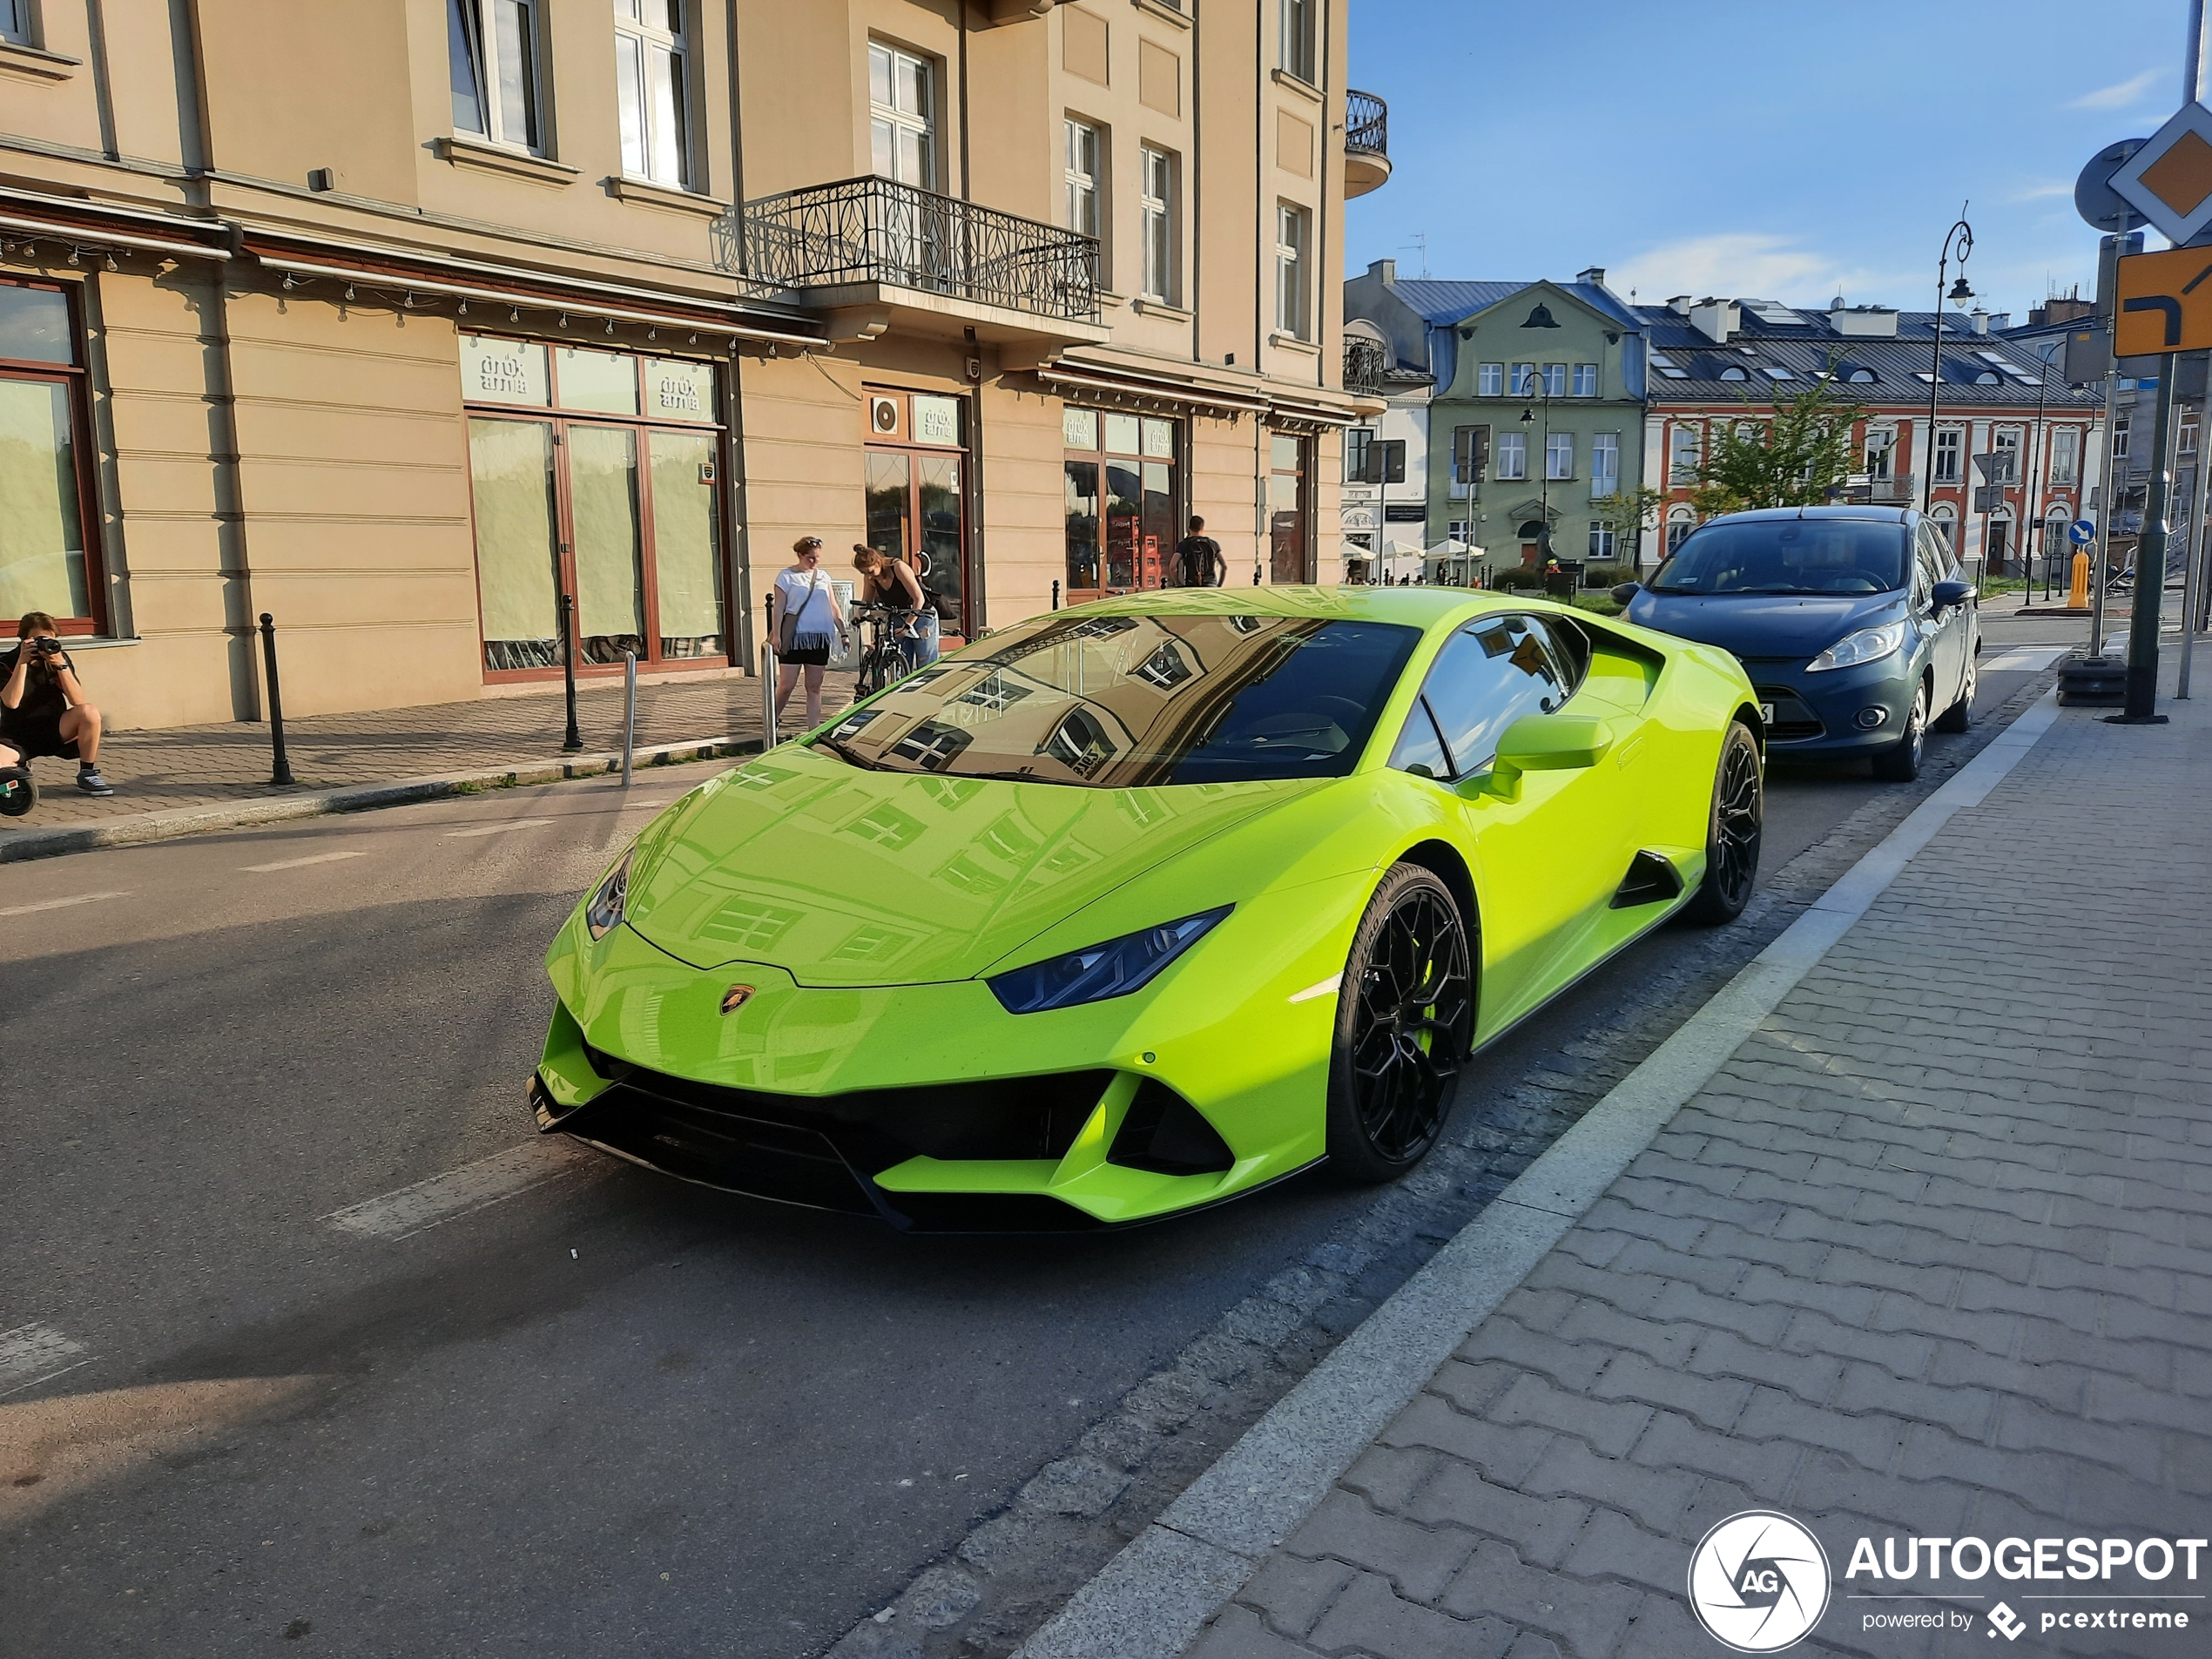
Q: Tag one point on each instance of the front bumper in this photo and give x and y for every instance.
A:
(1820, 715)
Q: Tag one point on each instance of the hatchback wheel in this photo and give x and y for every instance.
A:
(1959, 717)
(1900, 762)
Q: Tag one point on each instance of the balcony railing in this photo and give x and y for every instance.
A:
(1365, 361)
(1367, 125)
(877, 230)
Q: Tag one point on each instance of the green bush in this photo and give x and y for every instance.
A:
(1607, 576)
(1515, 577)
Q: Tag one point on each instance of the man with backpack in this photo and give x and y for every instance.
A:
(1198, 563)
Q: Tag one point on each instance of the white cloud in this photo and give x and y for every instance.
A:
(2121, 95)
(1745, 264)
(2038, 193)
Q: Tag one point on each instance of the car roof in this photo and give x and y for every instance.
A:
(1877, 514)
(1416, 607)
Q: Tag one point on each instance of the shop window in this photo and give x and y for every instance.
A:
(46, 507)
(1289, 545)
(916, 501)
(610, 494)
(1121, 490)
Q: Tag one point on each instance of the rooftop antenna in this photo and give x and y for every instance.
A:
(1420, 241)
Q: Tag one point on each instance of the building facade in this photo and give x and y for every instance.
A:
(425, 324)
(1535, 418)
(1718, 363)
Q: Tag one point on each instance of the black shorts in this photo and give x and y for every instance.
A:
(805, 656)
(37, 737)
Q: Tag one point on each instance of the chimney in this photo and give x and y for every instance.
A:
(1715, 319)
(1594, 276)
(1679, 304)
(1864, 322)
(1981, 321)
(1386, 270)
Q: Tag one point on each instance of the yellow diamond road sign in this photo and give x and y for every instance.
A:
(2170, 177)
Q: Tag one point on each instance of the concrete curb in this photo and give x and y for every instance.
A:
(1151, 1600)
(142, 827)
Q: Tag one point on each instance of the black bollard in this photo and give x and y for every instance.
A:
(1056, 593)
(572, 744)
(280, 773)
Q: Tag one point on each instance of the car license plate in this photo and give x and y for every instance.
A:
(1766, 713)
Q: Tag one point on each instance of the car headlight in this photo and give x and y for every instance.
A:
(1098, 972)
(602, 914)
(1867, 645)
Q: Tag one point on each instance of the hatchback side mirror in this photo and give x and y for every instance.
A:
(1626, 591)
(1947, 593)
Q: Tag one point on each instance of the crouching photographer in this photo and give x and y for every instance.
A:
(43, 711)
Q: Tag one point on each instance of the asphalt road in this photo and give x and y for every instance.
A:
(608, 1414)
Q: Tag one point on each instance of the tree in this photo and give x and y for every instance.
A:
(1632, 513)
(1795, 457)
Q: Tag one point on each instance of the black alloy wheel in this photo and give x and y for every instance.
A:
(1900, 762)
(1405, 1025)
(1959, 717)
(1733, 832)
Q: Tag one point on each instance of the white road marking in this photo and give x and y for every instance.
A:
(60, 904)
(473, 1186)
(1326, 988)
(498, 829)
(35, 1353)
(2024, 659)
(635, 806)
(294, 864)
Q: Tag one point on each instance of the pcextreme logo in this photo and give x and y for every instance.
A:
(1758, 1582)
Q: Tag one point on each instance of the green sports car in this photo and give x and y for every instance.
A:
(1134, 908)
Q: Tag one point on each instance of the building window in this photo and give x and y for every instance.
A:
(1679, 525)
(1289, 553)
(1086, 155)
(2065, 455)
(654, 90)
(2007, 451)
(1161, 269)
(1120, 501)
(1293, 237)
(2119, 435)
(916, 507)
(1470, 457)
(1370, 460)
(16, 30)
(45, 462)
(1603, 541)
(1460, 529)
(596, 474)
(1948, 443)
(1605, 463)
(1356, 442)
(1686, 455)
(1559, 455)
(1586, 380)
(1554, 380)
(1513, 456)
(902, 116)
(493, 48)
(1490, 380)
(1881, 447)
(1294, 39)
(1524, 379)
(2187, 444)
(1942, 519)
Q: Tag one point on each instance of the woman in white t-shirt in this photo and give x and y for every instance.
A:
(803, 593)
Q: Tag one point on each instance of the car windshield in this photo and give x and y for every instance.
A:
(1115, 702)
(1838, 555)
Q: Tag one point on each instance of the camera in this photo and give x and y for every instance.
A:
(45, 645)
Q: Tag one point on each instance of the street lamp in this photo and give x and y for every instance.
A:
(1544, 477)
(1959, 237)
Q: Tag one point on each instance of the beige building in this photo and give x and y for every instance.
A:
(417, 322)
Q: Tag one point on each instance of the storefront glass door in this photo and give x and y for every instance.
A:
(511, 464)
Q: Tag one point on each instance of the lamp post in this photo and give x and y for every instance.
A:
(1959, 237)
(1543, 478)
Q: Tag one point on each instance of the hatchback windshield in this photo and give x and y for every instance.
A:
(1838, 555)
(1115, 702)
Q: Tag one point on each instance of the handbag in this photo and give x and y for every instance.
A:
(788, 639)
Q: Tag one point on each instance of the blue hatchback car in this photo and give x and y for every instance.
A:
(1852, 621)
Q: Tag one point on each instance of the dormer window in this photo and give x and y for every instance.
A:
(1989, 377)
(1735, 372)
(1860, 377)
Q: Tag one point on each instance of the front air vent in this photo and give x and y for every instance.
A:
(1166, 1134)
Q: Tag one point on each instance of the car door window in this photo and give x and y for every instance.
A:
(1489, 674)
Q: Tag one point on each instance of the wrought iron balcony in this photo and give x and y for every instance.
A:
(1364, 362)
(879, 231)
(1366, 143)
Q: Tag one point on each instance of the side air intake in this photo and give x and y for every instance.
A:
(1651, 880)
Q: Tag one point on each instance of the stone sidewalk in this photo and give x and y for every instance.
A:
(188, 767)
(1930, 1255)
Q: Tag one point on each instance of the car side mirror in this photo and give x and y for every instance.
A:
(1546, 743)
(1626, 591)
(1947, 593)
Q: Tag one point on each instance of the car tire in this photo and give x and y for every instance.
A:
(1900, 762)
(1959, 717)
(1732, 833)
(1405, 1027)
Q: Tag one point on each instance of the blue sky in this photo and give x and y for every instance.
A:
(1778, 150)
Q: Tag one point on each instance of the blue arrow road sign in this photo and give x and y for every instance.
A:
(2081, 532)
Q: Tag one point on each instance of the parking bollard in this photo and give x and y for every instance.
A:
(280, 773)
(629, 712)
(573, 743)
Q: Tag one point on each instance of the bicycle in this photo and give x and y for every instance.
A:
(882, 661)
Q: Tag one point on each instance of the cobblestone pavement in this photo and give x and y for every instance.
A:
(1930, 1255)
(203, 765)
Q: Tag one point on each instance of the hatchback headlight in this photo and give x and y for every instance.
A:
(602, 914)
(1098, 972)
(1867, 645)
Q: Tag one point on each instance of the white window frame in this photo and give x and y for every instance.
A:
(1524, 379)
(17, 25)
(1949, 457)
(1489, 379)
(1158, 174)
(1293, 259)
(2066, 454)
(1083, 170)
(1294, 39)
(2006, 442)
(1559, 457)
(1685, 454)
(1555, 379)
(1880, 451)
(662, 155)
(2122, 427)
(1680, 523)
(488, 29)
(1513, 444)
(1586, 380)
(1605, 479)
(893, 119)
(1605, 541)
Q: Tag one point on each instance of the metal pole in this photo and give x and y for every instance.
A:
(768, 738)
(280, 773)
(2111, 504)
(629, 712)
(573, 743)
(1963, 234)
(2150, 563)
(1056, 593)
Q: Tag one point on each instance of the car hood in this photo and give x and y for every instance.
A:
(843, 877)
(1764, 625)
